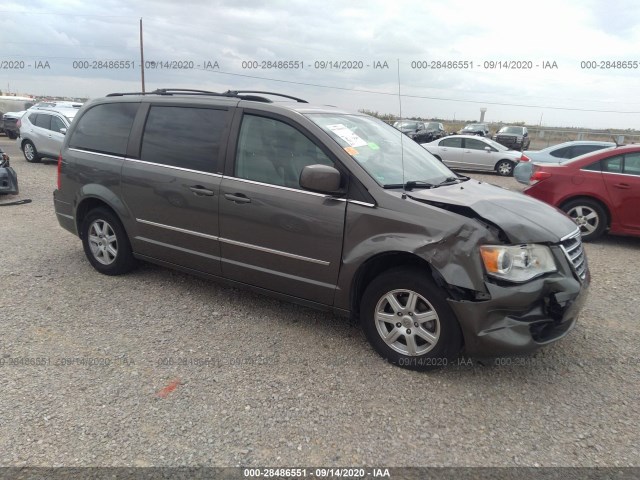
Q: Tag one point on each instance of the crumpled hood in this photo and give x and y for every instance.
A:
(523, 219)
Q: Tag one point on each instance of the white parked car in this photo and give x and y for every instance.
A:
(471, 152)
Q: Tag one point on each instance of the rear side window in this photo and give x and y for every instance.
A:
(33, 118)
(184, 137)
(583, 149)
(612, 165)
(561, 152)
(105, 128)
(43, 121)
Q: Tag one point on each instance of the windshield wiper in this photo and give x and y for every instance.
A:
(410, 185)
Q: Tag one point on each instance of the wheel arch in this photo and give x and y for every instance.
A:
(380, 263)
(91, 202)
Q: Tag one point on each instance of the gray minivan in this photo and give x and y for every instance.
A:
(331, 209)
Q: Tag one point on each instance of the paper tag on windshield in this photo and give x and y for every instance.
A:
(347, 135)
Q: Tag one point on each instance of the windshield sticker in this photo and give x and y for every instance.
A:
(373, 146)
(347, 135)
(351, 151)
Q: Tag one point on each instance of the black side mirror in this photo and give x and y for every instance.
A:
(321, 179)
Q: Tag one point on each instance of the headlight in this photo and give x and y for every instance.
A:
(518, 263)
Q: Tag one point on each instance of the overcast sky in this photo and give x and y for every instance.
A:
(372, 32)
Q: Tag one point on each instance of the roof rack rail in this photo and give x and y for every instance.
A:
(229, 93)
(236, 93)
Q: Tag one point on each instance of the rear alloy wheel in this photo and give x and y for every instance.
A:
(589, 216)
(504, 168)
(408, 321)
(106, 244)
(30, 152)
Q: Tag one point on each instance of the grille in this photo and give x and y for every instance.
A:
(572, 248)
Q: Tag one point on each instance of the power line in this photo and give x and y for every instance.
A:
(424, 97)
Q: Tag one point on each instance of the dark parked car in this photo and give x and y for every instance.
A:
(11, 125)
(320, 206)
(515, 138)
(481, 129)
(418, 131)
(599, 191)
(8, 177)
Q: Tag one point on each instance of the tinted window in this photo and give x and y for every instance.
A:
(43, 120)
(105, 128)
(273, 152)
(561, 152)
(473, 144)
(451, 142)
(582, 149)
(57, 124)
(33, 118)
(594, 167)
(613, 165)
(184, 137)
(632, 164)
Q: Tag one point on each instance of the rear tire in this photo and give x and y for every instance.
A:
(504, 168)
(30, 153)
(106, 243)
(589, 216)
(408, 320)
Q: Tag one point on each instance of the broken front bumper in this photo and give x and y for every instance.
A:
(522, 318)
(8, 180)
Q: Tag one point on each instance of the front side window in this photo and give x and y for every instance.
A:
(273, 152)
(183, 137)
(454, 142)
(632, 164)
(473, 144)
(57, 124)
(381, 150)
(105, 128)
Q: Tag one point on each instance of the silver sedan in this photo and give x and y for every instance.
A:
(470, 152)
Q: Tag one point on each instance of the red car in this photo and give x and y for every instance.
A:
(600, 191)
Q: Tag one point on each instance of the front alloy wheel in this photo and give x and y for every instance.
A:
(408, 321)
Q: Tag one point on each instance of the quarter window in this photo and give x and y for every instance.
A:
(270, 151)
(561, 152)
(184, 137)
(105, 128)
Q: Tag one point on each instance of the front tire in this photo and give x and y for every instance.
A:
(504, 168)
(408, 321)
(30, 153)
(105, 243)
(589, 216)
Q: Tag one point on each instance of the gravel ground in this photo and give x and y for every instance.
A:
(184, 371)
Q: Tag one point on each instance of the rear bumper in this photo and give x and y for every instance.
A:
(520, 319)
(64, 213)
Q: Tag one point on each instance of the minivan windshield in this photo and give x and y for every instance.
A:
(385, 153)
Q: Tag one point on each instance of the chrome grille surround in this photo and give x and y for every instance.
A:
(572, 247)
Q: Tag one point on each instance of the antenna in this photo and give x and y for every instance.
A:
(404, 191)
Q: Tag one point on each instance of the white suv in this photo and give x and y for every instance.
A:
(42, 131)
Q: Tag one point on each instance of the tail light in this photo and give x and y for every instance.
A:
(19, 123)
(538, 175)
(524, 158)
(59, 171)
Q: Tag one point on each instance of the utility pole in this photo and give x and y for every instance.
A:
(141, 56)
